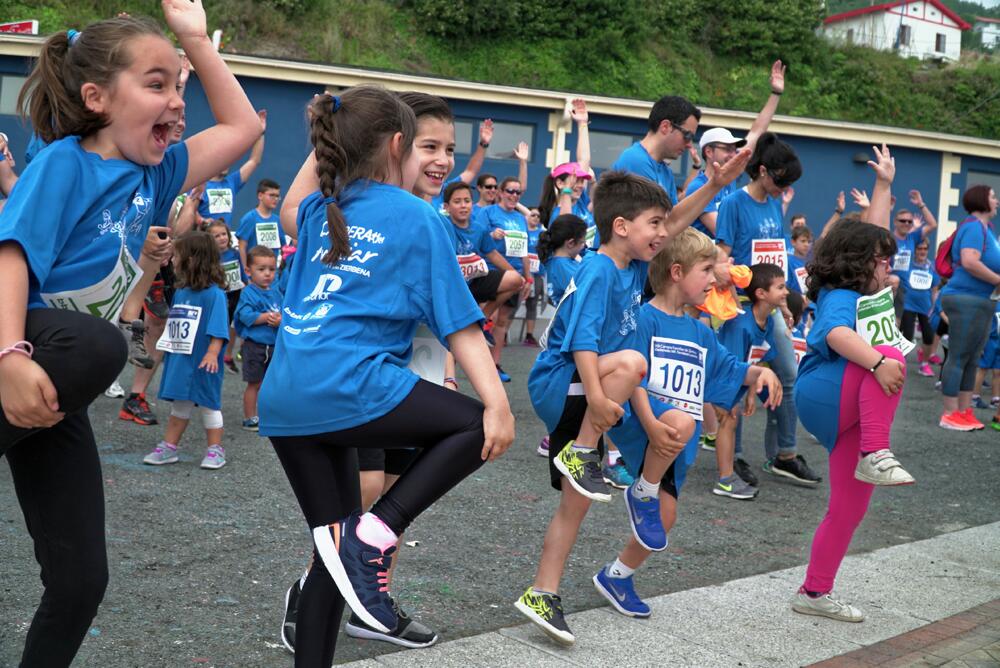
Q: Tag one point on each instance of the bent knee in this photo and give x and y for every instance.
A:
(682, 422)
(632, 363)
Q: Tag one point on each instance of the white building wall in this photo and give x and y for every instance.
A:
(879, 30)
(990, 33)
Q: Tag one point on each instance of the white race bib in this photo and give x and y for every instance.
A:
(534, 266)
(592, 236)
(901, 261)
(677, 374)
(516, 243)
(800, 348)
(428, 356)
(104, 298)
(234, 278)
(876, 322)
(181, 330)
(757, 353)
(267, 235)
(921, 280)
(220, 200)
(769, 251)
(472, 266)
(801, 275)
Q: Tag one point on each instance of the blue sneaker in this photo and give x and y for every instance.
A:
(252, 424)
(504, 378)
(978, 402)
(620, 593)
(644, 516)
(359, 571)
(617, 476)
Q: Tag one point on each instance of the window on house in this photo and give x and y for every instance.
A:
(10, 86)
(506, 137)
(605, 147)
(850, 36)
(939, 43)
(991, 179)
(463, 137)
(905, 35)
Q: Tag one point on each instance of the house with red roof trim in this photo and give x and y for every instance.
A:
(989, 29)
(912, 28)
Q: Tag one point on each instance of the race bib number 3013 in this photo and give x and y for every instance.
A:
(876, 322)
(677, 374)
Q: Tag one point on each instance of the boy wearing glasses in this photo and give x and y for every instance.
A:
(260, 225)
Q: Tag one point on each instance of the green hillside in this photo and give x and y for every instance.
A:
(715, 53)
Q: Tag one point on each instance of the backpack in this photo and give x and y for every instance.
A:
(943, 263)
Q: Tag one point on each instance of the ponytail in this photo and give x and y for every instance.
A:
(566, 227)
(549, 200)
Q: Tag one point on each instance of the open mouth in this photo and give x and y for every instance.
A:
(435, 177)
(161, 134)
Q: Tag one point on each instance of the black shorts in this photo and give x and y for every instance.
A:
(668, 483)
(568, 428)
(484, 288)
(232, 299)
(393, 461)
(256, 359)
(514, 301)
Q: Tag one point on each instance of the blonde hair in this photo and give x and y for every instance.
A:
(686, 249)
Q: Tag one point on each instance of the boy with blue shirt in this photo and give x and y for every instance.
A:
(258, 316)
(920, 283)
(260, 226)
(801, 244)
(688, 368)
(220, 192)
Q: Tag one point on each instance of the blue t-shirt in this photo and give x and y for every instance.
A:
(220, 197)
(597, 314)
(347, 331)
(904, 251)
(971, 234)
(742, 219)
(236, 275)
(474, 238)
(741, 333)
(255, 301)
(533, 235)
(437, 202)
(713, 206)
(918, 282)
(581, 209)
(821, 374)
(559, 271)
(182, 379)
(935, 317)
(636, 160)
(722, 381)
(794, 264)
(498, 218)
(81, 221)
(284, 272)
(247, 231)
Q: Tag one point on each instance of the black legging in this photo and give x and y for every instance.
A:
(323, 472)
(57, 478)
(909, 326)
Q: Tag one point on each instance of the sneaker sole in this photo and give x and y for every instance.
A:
(882, 483)
(593, 496)
(631, 522)
(254, 429)
(115, 395)
(731, 495)
(707, 448)
(802, 610)
(614, 600)
(951, 427)
(561, 637)
(161, 462)
(368, 634)
(128, 417)
(786, 474)
(213, 467)
(542, 452)
(331, 559)
(284, 639)
(616, 485)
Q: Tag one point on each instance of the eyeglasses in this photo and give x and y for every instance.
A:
(904, 221)
(779, 181)
(490, 186)
(512, 191)
(687, 134)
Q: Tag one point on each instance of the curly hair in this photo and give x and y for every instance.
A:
(845, 257)
(198, 264)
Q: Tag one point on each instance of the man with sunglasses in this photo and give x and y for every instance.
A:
(908, 234)
(718, 145)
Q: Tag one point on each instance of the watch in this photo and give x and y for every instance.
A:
(484, 144)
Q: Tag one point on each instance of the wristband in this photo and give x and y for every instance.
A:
(22, 347)
(484, 144)
(877, 364)
(774, 92)
(838, 211)
(529, 281)
(566, 191)
(450, 380)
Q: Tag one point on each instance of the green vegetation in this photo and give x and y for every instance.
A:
(715, 53)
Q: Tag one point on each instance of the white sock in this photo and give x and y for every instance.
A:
(374, 531)
(619, 570)
(613, 457)
(302, 580)
(643, 488)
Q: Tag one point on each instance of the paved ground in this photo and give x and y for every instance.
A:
(200, 561)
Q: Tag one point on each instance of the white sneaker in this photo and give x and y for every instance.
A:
(161, 454)
(826, 606)
(215, 458)
(882, 468)
(115, 391)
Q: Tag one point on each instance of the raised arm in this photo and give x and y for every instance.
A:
(930, 222)
(763, 119)
(581, 117)
(692, 206)
(885, 171)
(476, 161)
(522, 153)
(306, 182)
(257, 152)
(237, 126)
(838, 211)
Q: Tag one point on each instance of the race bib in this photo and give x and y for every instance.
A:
(876, 322)
(515, 243)
(534, 266)
(428, 356)
(901, 261)
(267, 235)
(921, 280)
(677, 374)
(800, 348)
(234, 277)
(181, 330)
(757, 353)
(592, 236)
(472, 266)
(105, 298)
(220, 200)
(769, 251)
(570, 289)
(801, 275)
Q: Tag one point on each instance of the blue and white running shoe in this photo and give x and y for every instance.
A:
(644, 516)
(620, 593)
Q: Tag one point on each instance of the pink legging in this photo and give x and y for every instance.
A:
(866, 416)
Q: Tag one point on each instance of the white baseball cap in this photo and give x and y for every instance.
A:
(720, 136)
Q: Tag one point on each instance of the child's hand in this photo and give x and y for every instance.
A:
(209, 363)
(723, 175)
(664, 440)
(186, 18)
(578, 111)
(570, 182)
(274, 319)
(885, 168)
(769, 379)
(860, 198)
(486, 131)
(521, 153)
(890, 376)
(498, 426)
(778, 77)
(749, 404)
(604, 413)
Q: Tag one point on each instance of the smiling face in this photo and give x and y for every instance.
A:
(459, 207)
(776, 295)
(434, 147)
(489, 191)
(578, 186)
(142, 104)
(645, 234)
(510, 194)
(696, 282)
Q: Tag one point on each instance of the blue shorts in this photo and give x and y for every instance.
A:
(633, 450)
(990, 358)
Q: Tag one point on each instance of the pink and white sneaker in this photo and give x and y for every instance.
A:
(925, 370)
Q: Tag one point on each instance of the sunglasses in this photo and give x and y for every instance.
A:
(779, 181)
(512, 191)
(904, 221)
(687, 134)
(491, 186)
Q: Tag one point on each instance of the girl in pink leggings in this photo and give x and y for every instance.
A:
(850, 384)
